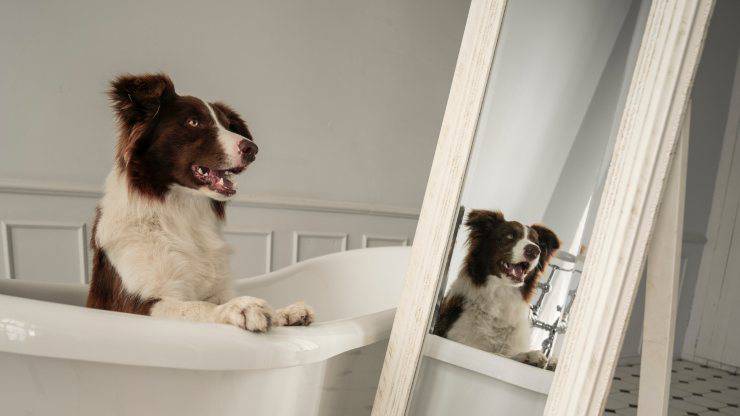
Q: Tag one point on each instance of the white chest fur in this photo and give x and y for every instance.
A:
(495, 317)
(161, 249)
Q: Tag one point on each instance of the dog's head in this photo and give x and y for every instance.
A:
(167, 139)
(514, 253)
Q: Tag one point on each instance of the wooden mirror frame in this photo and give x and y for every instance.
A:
(645, 144)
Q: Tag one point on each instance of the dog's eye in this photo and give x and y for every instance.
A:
(193, 122)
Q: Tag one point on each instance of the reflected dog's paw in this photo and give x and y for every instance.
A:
(297, 314)
(535, 358)
(246, 312)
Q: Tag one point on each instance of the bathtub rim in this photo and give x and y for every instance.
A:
(490, 365)
(53, 330)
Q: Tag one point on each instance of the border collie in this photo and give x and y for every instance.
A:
(487, 307)
(157, 241)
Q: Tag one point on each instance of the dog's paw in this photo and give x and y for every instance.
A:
(297, 314)
(534, 358)
(552, 365)
(246, 312)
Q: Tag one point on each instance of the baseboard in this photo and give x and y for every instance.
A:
(629, 360)
(711, 363)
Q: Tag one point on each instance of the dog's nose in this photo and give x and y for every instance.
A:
(531, 252)
(248, 148)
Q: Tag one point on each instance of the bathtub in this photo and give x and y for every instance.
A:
(59, 358)
(454, 378)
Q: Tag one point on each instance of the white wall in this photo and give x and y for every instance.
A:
(548, 63)
(584, 171)
(549, 78)
(345, 100)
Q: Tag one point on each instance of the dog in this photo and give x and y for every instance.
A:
(157, 240)
(488, 306)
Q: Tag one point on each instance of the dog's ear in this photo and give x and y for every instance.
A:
(481, 221)
(137, 100)
(548, 242)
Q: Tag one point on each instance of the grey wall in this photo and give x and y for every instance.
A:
(345, 98)
(711, 98)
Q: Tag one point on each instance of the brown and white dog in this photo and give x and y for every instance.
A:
(157, 241)
(487, 307)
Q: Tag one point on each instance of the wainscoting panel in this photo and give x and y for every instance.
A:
(254, 256)
(307, 245)
(47, 227)
(32, 249)
(383, 241)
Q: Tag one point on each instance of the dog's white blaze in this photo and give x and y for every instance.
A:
(517, 252)
(228, 139)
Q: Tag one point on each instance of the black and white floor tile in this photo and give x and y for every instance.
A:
(696, 389)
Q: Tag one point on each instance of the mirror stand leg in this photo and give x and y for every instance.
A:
(661, 294)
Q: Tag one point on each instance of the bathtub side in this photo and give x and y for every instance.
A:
(47, 329)
(342, 385)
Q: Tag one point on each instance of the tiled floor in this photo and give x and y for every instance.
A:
(695, 390)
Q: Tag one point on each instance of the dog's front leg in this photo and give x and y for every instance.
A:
(246, 312)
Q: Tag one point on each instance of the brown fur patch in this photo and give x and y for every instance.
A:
(549, 245)
(106, 289)
(219, 208)
(231, 120)
(488, 243)
(449, 312)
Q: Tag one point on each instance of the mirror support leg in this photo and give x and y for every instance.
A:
(662, 286)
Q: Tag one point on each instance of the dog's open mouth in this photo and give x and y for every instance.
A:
(218, 180)
(516, 271)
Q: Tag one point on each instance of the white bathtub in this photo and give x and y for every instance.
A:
(455, 379)
(58, 358)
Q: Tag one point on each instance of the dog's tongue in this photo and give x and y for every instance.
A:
(519, 270)
(220, 184)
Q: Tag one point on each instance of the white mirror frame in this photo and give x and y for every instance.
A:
(644, 148)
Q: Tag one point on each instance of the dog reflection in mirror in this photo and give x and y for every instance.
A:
(487, 307)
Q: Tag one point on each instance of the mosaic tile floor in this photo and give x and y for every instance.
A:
(695, 390)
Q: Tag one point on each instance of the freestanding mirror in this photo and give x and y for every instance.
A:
(550, 166)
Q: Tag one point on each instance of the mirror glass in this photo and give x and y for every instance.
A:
(542, 148)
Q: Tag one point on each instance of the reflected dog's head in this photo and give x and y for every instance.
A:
(166, 139)
(512, 253)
